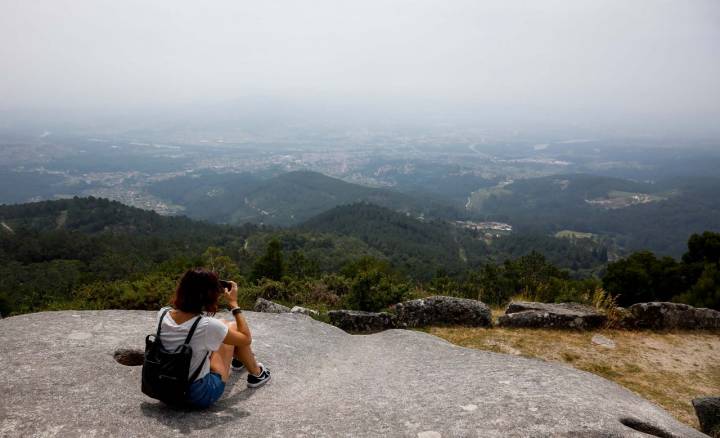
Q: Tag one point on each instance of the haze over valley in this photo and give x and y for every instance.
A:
(527, 182)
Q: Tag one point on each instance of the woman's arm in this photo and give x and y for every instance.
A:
(240, 334)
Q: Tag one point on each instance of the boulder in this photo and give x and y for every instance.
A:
(267, 306)
(355, 321)
(545, 315)
(603, 341)
(708, 413)
(440, 310)
(63, 381)
(304, 311)
(669, 316)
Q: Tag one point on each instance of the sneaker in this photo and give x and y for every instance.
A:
(237, 365)
(260, 379)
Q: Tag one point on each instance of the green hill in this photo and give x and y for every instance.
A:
(636, 215)
(286, 199)
(422, 248)
(97, 215)
(96, 253)
(415, 246)
(51, 250)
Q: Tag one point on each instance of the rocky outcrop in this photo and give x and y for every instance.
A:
(326, 383)
(267, 306)
(355, 321)
(440, 310)
(304, 311)
(64, 382)
(708, 413)
(669, 316)
(545, 315)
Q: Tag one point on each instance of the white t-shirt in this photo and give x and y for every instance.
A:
(207, 338)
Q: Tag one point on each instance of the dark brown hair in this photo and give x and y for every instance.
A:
(198, 290)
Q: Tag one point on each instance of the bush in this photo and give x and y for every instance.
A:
(607, 304)
(273, 290)
(247, 295)
(337, 284)
(373, 291)
(706, 292)
(150, 292)
(643, 277)
(313, 292)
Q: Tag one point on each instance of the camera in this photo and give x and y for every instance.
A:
(226, 284)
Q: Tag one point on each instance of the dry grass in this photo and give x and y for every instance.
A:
(669, 369)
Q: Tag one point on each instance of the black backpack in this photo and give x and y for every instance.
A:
(165, 372)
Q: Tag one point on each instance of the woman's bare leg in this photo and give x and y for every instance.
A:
(220, 361)
(244, 354)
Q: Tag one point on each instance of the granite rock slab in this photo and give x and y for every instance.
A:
(551, 315)
(59, 377)
(267, 306)
(670, 316)
(442, 310)
(357, 321)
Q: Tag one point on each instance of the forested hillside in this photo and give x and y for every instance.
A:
(657, 217)
(93, 253)
(423, 247)
(286, 199)
(50, 249)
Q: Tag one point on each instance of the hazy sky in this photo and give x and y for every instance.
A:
(652, 59)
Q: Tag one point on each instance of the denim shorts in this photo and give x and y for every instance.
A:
(206, 391)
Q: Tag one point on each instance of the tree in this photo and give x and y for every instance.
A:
(531, 275)
(642, 277)
(703, 248)
(706, 292)
(222, 265)
(300, 266)
(271, 264)
(495, 288)
(374, 285)
(372, 291)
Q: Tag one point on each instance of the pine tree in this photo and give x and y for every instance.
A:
(271, 264)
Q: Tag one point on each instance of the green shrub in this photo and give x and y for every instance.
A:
(150, 292)
(373, 291)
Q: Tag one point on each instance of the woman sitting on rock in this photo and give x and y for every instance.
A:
(227, 343)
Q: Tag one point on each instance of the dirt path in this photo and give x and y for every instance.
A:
(7, 227)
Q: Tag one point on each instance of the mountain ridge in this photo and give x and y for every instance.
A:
(285, 199)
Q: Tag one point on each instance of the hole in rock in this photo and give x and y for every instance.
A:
(129, 357)
(646, 428)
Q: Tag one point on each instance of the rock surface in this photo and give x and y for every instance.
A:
(440, 310)
(304, 311)
(58, 378)
(668, 316)
(267, 306)
(603, 341)
(545, 315)
(708, 413)
(355, 321)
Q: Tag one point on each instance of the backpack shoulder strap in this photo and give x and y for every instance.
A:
(187, 340)
(192, 329)
(197, 370)
(160, 322)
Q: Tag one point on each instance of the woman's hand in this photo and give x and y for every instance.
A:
(231, 295)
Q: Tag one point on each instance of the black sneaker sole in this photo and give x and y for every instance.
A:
(260, 383)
